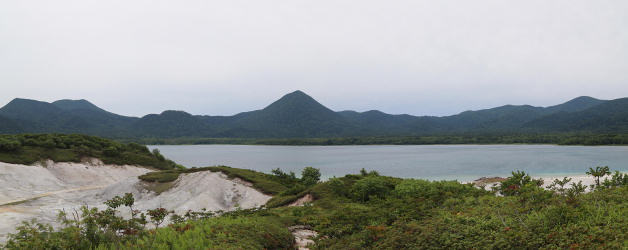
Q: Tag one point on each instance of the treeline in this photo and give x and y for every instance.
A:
(557, 139)
(30, 148)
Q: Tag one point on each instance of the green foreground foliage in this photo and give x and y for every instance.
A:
(30, 148)
(369, 211)
(92, 228)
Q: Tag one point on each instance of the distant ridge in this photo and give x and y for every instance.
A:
(576, 104)
(82, 104)
(298, 115)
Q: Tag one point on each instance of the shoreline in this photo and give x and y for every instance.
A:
(388, 144)
(587, 180)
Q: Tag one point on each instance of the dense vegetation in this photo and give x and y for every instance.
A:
(297, 115)
(31, 148)
(369, 211)
(557, 139)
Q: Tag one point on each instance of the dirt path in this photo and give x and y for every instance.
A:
(83, 188)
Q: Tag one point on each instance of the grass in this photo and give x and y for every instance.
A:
(265, 183)
(285, 199)
(163, 176)
(158, 187)
(255, 232)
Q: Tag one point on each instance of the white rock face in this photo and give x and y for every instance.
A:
(209, 190)
(41, 191)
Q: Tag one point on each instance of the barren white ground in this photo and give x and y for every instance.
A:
(41, 191)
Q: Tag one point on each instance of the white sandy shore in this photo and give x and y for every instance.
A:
(41, 191)
(587, 180)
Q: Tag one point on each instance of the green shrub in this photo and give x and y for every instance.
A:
(617, 180)
(287, 179)
(436, 191)
(310, 176)
(9, 144)
(111, 151)
(30, 148)
(337, 186)
(519, 180)
(370, 187)
(379, 213)
(161, 176)
(104, 229)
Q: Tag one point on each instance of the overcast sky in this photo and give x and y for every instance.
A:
(223, 57)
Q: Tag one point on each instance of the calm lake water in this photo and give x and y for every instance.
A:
(461, 162)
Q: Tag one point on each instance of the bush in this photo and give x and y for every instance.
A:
(111, 151)
(436, 191)
(9, 145)
(617, 180)
(30, 148)
(517, 182)
(310, 176)
(337, 186)
(158, 155)
(371, 186)
(287, 179)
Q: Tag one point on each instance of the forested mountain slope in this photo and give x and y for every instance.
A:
(297, 115)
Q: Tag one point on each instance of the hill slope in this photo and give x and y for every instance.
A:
(297, 115)
(294, 115)
(609, 117)
(64, 116)
(170, 124)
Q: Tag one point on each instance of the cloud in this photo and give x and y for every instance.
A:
(222, 57)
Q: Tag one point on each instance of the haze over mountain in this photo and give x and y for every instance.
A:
(297, 115)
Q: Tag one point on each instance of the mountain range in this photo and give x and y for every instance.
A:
(297, 115)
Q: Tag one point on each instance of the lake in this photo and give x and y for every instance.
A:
(434, 162)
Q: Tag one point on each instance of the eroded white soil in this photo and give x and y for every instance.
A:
(41, 191)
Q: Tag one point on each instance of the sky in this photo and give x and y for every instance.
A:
(225, 57)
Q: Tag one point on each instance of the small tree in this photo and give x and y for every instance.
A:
(598, 173)
(558, 186)
(158, 155)
(287, 179)
(363, 172)
(515, 184)
(576, 189)
(617, 180)
(310, 176)
(157, 216)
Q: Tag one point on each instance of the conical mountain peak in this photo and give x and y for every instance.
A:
(297, 101)
(296, 95)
